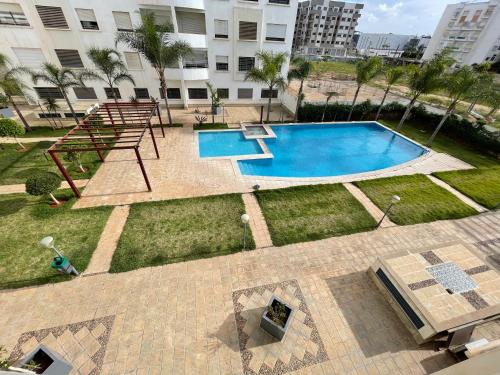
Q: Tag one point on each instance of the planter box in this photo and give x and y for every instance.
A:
(216, 110)
(273, 328)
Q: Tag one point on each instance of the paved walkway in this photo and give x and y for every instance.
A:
(21, 188)
(103, 254)
(458, 194)
(372, 209)
(28, 140)
(186, 318)
(257, 222)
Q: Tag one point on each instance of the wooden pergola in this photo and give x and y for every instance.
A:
(112, 126)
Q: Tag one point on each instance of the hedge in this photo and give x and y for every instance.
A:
(455, 127)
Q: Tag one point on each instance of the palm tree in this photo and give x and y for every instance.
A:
(269, 74)
(300, 70)
(493, 100)
(153, 42)
(458, 85)
(482, 86)
(392, 75)
(10, 86)
(366, 70)
(329, 95)
(62, 78)
(424, 80)
(51, 105)
(215, 100)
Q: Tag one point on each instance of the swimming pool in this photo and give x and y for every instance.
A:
(226, 143)
(317, 150)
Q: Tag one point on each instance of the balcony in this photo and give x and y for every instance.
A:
(195, 74)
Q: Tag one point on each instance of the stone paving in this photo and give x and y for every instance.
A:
(181, 318)
(257, 222)
(21, 188)
(181, 173)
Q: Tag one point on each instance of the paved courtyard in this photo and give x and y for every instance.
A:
(198, 317)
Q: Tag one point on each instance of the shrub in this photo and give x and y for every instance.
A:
(43, 183)
(10, 128)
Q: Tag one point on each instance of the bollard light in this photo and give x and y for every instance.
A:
(60, 262)
(394, 199)
(245, 219)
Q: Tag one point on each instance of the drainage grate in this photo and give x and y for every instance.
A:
(451, 277)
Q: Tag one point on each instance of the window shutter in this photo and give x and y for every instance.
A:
(29, 56)
(123, 21)
(195, 93)
(197, 59)
(160, 16)
(221, 28)
(275, 32)
(248, 30)
(246, 63)
(133, 60)
(221, 62)
(52, 17)
(191, 23)
(85, 92)
(86, 15)
(69, 58)
(12, 14)
(109, 93)
(49, 92)
(245, 93)
(141, 93)
(10, 7)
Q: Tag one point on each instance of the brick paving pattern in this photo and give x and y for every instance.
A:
(179, 318)
(257, 222)
(21, 188)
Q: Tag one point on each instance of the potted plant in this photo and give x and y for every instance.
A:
(276, 318)
(44, 183)
(10, 128)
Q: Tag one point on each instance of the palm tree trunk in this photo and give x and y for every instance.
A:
(27, 128)
(116, 102)
(69, 105)
(407, 112)
(493, 110)
(472, 105)
(163, 85)
(449, 111)
(324, 111)
(299, 100)
(382, 103)
(353, 103)
(269, 103)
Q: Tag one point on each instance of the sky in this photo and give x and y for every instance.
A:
(401, 16)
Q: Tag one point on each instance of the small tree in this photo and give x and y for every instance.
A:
(75, 157)
(300, 70)
(10, 128)
(392, 75)
(51, 105)
(329, 95)
(43, 183)
(215, 99)
(199, 117)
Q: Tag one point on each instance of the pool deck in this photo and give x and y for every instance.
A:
(181, 173)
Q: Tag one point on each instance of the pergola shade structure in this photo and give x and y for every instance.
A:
(112, 126)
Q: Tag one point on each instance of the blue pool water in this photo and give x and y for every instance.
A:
(226, 143)
(319, 150)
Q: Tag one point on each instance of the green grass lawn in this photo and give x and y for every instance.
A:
(26, 220)
(335, 67)
(482, 185)
(178, 230)
(443, 143)
(209, 126)
(422, 201)
(47, 131)
(308, 213)
(16, 166)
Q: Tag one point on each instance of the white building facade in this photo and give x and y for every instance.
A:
(471, 30)
(381, 44)
(224, 35)
(324, 27)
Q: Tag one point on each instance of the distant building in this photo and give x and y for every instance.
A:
(378, 44)
(325, 27)
(471, 30)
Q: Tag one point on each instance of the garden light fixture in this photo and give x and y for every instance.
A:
(394, 199)
(245, 219)
(60, 262)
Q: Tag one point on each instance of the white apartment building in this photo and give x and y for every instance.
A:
(471, 30)
(224, 34)
(324, 27)
(382, 44)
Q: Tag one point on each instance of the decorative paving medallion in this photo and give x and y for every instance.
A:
(82, 344)
(261, 353)
(451, 277)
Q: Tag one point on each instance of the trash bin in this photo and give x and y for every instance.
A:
(62, 265)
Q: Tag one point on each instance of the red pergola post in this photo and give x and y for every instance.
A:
(154, 140)
(65, 173)
(159, 118)
(111, 118)
(143, 170)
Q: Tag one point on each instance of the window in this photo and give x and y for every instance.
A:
(476, 15)
(85, 92)
(222, 63)
(77, 114)
(52, 17)
(29, 56)
(284, 2)
(197, 93)
(141, 93)
(172, 93)
(109, 93)
(160, 16)
(87, 19)
(223, 93)
(248, 30)
(245, 63)
(133, 60)
(12, 14)
(264, 93)
(69, 58)
(197, 59)
(191, 22)
(123, 21)
(275, 32)
(464, 16)
(221, 29)
(49, 92)
(245, 93)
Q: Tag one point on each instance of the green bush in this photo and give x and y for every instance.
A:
(10, 128)
(42, 183)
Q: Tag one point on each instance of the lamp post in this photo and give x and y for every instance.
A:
(60, 262)
(394, 199)
(245, 219)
